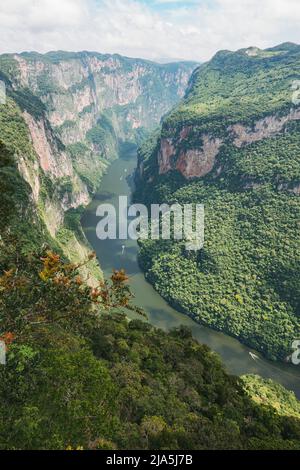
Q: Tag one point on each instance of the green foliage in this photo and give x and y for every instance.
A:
(88, 164)
(103, 133)
(72, 222)
(8, 66)
(65, 185)
(46, 85)
(268, 393)
(79, 375)
(77, 150)
(14, 132)
(246, 279)
(29, 102)
(237, 87)
(59, 396)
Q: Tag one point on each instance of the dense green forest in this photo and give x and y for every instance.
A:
(240, 86)
(80, 375)
(246, 279)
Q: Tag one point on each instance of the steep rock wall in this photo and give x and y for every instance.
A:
(198, 161)
(77, 90)
(76, 108)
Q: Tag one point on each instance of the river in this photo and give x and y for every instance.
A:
(119, 181)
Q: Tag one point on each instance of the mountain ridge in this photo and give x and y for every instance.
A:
(232, 144)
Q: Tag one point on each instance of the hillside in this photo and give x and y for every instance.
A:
(65, 119)
(78, 373)
(233, 145)
(75, 379)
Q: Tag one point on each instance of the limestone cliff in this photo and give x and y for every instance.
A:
(78, 88)
(75, 109)
(199, 160)
(232, 144)
(225, 106)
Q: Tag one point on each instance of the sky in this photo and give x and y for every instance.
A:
(151, 29)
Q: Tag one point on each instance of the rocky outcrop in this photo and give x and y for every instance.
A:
(191, 163)
(30, 172)
(52, 161)
(198, 161)
(53, 215)
(77, 90)
(263, 129)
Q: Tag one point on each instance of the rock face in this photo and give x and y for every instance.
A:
(77, 108)
(78, 88)
(263, 129)
(191, 163)
(199, 161)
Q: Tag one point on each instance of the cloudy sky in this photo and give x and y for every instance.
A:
(153, 29)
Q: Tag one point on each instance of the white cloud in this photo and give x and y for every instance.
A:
(140, 28)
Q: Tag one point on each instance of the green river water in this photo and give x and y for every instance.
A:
(111, 254)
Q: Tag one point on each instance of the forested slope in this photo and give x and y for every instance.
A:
(80, 376)
(233, 145)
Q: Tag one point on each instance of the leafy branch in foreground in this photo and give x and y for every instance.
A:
(50, 291)
(79, 377)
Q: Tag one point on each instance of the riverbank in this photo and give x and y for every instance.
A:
(117, 254)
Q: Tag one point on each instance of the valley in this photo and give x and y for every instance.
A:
(65, 118)
(119, 180)
(232, 144)
(207, 368)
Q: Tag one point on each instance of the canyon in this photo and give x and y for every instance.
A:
(72, 122)
(232, 144)
(77, 110)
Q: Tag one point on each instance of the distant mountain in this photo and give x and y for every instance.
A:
(170, 60)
